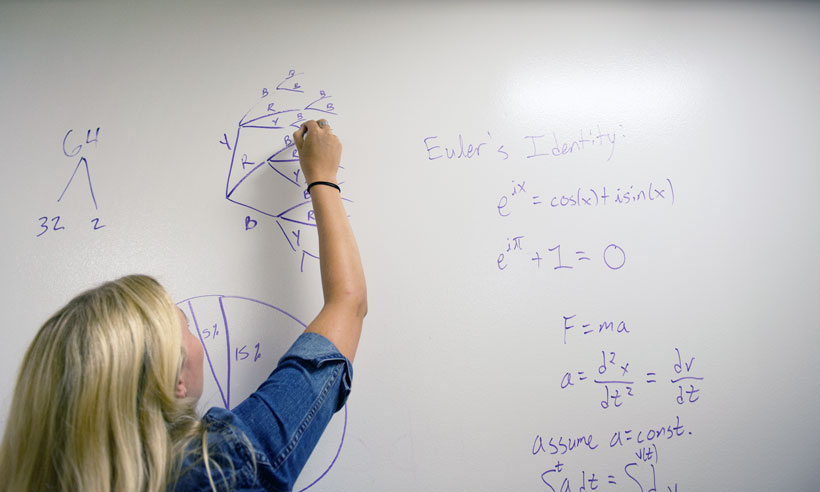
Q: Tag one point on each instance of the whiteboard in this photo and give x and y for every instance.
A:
(589, 231)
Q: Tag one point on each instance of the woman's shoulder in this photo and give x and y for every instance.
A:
(228, 452)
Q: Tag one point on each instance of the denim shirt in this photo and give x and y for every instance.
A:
(281, 421)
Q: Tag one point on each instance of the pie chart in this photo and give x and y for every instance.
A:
(243, 340)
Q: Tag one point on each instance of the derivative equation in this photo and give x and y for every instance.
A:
(619, 382)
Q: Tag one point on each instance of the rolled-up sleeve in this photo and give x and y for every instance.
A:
(285, 417)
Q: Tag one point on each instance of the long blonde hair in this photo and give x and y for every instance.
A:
(94, 407)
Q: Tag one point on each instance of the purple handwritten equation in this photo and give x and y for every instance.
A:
(270, 184)
(516, 250)
(619, 381)
(620, 378)
(523, 199)
(630, 195)
(243, 340)
(76, 148)
(641, 470)
(573, 325)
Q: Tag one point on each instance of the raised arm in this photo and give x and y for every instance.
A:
(343, 283)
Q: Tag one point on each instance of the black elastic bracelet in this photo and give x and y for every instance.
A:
(326, 183)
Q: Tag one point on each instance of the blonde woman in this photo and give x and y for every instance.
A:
(106, 393)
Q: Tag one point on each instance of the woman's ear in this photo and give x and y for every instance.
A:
(181, 390)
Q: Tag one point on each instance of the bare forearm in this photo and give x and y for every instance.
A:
(343, 281)
(343, 284)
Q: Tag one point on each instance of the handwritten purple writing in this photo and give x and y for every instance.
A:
(461, 150)
(651, 193)
(639, 471)
(72, 147)
(517, 249)
(584, 140)
(573, 325)
(619, 381)
(270, 183)
(82, 162)
(542, 145)
(634, 473)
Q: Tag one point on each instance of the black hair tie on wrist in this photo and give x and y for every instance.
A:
(326, 183)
